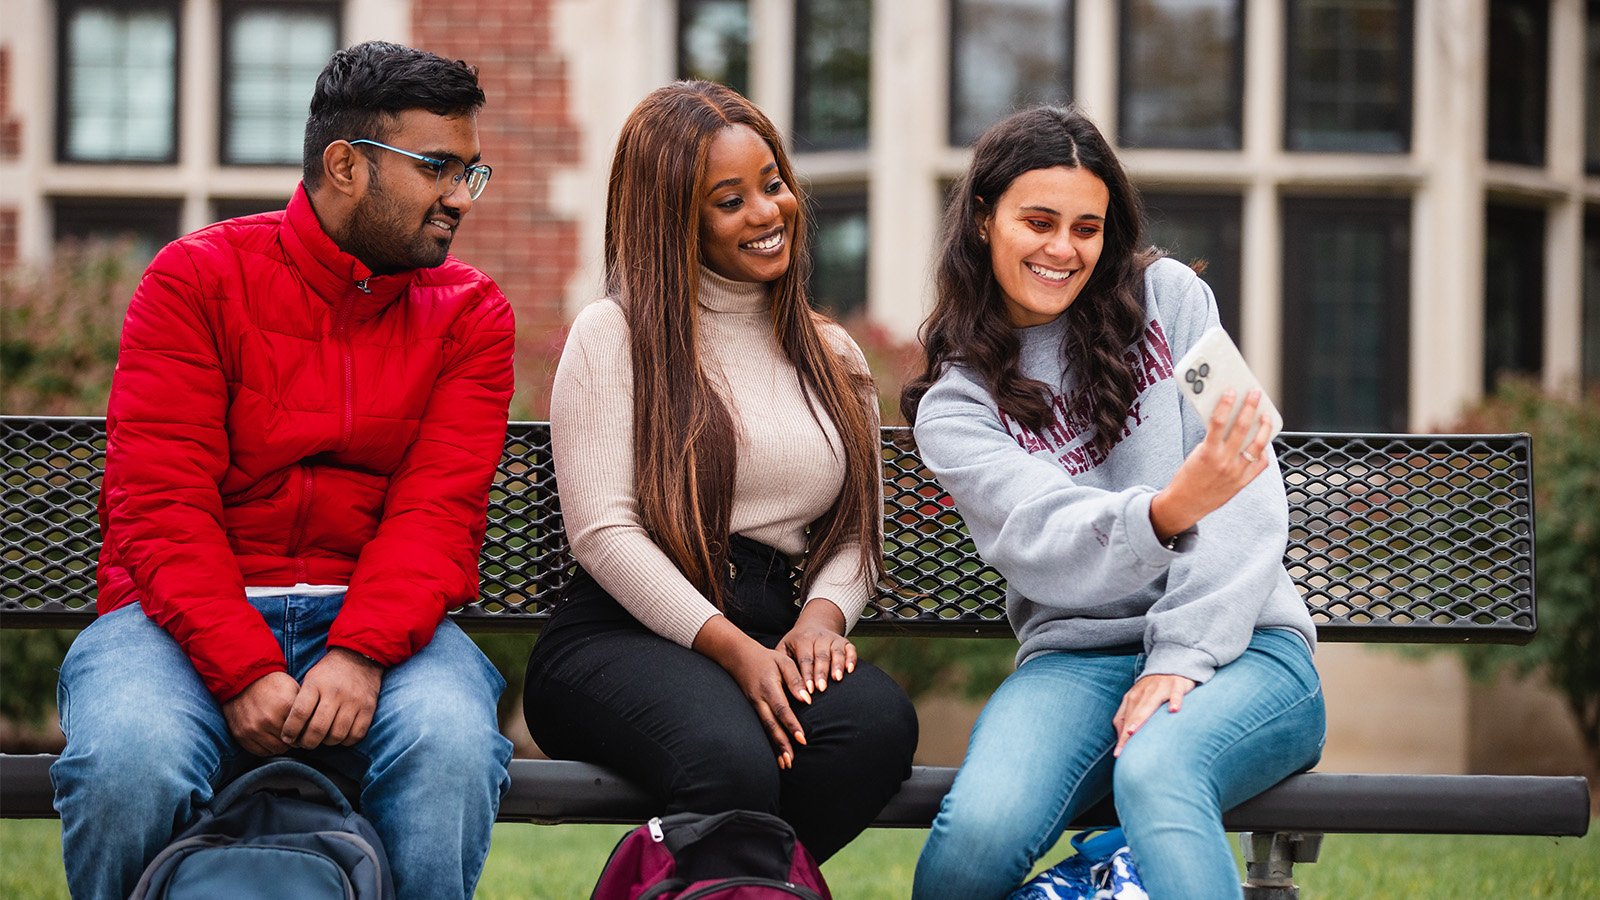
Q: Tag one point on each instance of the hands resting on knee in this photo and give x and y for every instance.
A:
(332, 707)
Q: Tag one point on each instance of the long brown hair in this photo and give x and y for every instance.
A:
(968, 325)
(683, 434)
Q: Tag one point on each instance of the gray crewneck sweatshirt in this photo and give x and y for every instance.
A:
(1070, 530)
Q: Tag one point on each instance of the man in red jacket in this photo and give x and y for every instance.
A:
(307, 411)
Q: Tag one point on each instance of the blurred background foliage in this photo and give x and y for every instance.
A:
(1566, 471)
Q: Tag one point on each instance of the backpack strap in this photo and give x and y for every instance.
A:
(282, 773)
(1098, 847)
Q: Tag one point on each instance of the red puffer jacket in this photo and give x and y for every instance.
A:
(280, 415)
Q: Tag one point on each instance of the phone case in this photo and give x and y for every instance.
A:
(1212, 366)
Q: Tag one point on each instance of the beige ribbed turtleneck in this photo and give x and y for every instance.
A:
(790, 467)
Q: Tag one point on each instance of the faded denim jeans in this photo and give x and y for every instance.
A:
(1040, 754)
(147, 746)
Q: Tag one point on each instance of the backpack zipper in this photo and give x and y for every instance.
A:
(728, 884)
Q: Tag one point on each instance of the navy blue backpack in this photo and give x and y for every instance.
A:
(282, 830)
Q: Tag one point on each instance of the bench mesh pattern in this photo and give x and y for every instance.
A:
(1399, 538)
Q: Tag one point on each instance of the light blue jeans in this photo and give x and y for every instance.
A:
(1041, 753)
(147, 746)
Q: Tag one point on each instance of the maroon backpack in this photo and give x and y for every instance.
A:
(737, 855)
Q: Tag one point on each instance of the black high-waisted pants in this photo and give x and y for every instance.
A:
(604, 689)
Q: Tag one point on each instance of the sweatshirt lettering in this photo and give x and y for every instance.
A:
(1067, 437)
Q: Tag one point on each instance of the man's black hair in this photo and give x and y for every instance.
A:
(363, 88)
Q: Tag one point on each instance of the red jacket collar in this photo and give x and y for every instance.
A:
(333, 274)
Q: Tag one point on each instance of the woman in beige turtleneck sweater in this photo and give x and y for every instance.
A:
(711, 433)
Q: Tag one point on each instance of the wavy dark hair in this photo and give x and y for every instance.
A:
(362, 90)
(968, 325)
(683, 434)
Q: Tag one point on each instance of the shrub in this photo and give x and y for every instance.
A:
(1566, 471)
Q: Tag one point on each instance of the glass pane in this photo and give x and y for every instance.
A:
(1519, 59)
(1513, 292)
(714, 42)
(146, 225)
(1006, 55)
(224, 208)
(1181, 73)
(1203, 229)
(839, 254)
(1346, 315)
(274, 55)
(1349, 79)
(121, 89)
(1592, 95)
(1591, 299)
(833, 70)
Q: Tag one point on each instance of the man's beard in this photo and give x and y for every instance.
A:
(383, 237)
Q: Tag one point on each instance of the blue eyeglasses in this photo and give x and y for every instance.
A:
(447, 173)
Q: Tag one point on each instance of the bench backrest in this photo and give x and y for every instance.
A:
(1405, 538)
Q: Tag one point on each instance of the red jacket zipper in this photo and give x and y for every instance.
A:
(341, 334)
(301, 514)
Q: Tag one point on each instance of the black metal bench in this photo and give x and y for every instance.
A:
(1393, 539)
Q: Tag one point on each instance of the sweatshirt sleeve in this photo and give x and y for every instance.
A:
(424, 558)
(1058, 543)
(166, 455)
(840, 579)
(1217, 588)
(591, 432)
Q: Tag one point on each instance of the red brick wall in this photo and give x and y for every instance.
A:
(527, 135)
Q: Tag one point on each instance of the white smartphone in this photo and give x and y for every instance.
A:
(1213, 366)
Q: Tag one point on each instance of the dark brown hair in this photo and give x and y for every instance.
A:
(683, 434)
(968, 325)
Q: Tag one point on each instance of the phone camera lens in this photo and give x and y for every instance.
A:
(1204, 370)
(1199, 385)
(1189, 376)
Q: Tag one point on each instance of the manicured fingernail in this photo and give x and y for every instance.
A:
(850, 668)
(800, 736)
(809, 685)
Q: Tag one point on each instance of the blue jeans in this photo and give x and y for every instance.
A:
(1041, 753)
(147, 746)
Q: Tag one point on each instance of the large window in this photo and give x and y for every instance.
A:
(1006, 55)
(1513, 292)
(1519, 62)
(1591, 299)
(271, 55)
(1349, 75)
(839, 252)
(237, 207)
(1202, 230)
(145, 225)
(714, 42)
(1346, 314)
(833, 69)
(1182, 63)
(1591, 96)
(117, 81)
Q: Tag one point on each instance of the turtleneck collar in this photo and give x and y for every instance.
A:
(336, 276)
(720, 294)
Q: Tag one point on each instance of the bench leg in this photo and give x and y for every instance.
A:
(1269, 859)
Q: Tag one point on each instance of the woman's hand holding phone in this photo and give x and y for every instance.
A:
(1218, 468)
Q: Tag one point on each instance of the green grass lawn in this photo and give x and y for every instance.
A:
(533, 861)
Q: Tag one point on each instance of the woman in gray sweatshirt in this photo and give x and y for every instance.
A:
(1164, 649)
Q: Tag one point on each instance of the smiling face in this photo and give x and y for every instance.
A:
(1045, 236)
(747, 213)
(401, 222)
